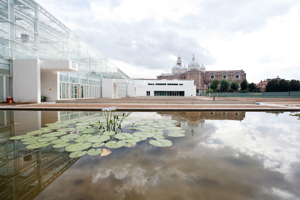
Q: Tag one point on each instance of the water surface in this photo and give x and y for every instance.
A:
(224, 155)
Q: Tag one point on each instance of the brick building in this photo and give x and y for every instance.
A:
(199, 74)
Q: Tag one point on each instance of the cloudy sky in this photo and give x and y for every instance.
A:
(144, 38)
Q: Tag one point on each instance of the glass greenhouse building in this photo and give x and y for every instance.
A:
(29, 32)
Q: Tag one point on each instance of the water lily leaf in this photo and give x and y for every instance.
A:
(88, 130)
(37, 132)
(97, 138)
(62, 140)
(161, 143)
(45, 130)
(130, 144)
(61, 145)
(94, 152)
(99, 144)
(105, 152)
(83, 138)
(78, 146)
(159, 137)
(109, 133)
(30, 142)
(176, 134)
(54, 134)
(47, 139)
(20, 137)
(70, 136)
(134, 139)
(123, 136)
(143, 134)
(37, 145)
(173, 128)
(30, 139)
(114, 144)
(77, 154)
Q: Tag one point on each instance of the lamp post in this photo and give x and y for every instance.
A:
(209, 90)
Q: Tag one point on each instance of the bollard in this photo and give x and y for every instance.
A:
(214, 98)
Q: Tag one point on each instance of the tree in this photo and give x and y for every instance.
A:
(244, 84)
(234, 85)
(215, 84)
(294, 85)
(224, 85)
(284, 85)
(272, 86)
(252, 87)
(209, 91)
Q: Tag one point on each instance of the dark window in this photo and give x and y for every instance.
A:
(148, 93)
(237, 76)
(212, 77)
(150, 83)
(224, 76)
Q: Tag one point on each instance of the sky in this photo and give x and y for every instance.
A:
(144, 38)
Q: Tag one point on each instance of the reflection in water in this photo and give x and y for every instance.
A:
(224, 155)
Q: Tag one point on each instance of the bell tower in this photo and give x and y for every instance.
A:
(179, 61)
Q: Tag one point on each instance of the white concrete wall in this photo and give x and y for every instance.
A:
(131, 90)
(27, 81)
(50, 86)
(107, 88)
(142, 87)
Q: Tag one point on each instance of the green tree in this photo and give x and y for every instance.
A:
(211, 91)
(224, 85)
(272, 86)
(284, 85)
(234, 85)
(252, 87)
(294, 85)
(215, 84)
(244, 84)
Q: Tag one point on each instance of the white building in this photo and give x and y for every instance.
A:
(154, 87)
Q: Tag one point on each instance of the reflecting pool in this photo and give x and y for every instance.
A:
(223, 155)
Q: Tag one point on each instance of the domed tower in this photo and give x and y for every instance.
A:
(184, 69)
(179, 60)
(193, 65)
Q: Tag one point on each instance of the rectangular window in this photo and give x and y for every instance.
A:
(148, 93)
(168, 93)
(150, 83)
(161, 84)
(180, 84)
(172, 83)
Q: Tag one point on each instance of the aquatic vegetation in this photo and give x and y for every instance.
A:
(94, 152)
(161, 143)
(114, 144)
(78, 146)
(77, 154)
(86, 135)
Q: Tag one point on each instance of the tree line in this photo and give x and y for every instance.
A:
(272, 86)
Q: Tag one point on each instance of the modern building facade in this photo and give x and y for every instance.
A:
(40, 56)
(199, 74)
(154, 87)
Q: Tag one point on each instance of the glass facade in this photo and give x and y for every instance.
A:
(168, 93)
(28, 31)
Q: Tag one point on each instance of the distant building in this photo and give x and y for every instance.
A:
(262, 84)
(199, 74)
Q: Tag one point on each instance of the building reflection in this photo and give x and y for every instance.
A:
(196, 119)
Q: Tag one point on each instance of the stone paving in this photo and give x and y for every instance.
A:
(274, 104)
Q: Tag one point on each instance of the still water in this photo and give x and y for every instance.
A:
(224, 155)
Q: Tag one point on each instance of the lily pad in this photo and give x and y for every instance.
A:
(47, 139)
(134, 139)
(30, 139)
(97, 139)
(30, 142)
(94, 152)
(109, 133)
(88, 130)
(78, 146)
(114, 144)
(37, 132)
(161, 143)
(99, 144)
(70, 136)
(143, 134)
(66, 129)
(54, 134)
(123, 136)
(37, 145)
(20, 137)
(159, 137)
(77, 154)
(83, 138)
(62, 140)
(61, 145)
(105, 152)
(176, 134)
